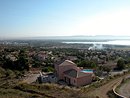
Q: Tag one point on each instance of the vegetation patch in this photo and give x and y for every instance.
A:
(111, 94)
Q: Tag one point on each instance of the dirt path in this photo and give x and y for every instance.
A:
(125, 89)
(31, 78)
(101, 92)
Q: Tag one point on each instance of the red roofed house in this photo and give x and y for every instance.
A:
(73, 75)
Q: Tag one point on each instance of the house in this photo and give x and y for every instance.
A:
(42, 55)
(73, 75)
(45, 78)
(11, 57)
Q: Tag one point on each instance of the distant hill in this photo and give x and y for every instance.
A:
(97, 37)
(76, 37)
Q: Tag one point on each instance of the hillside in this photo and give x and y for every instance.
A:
(12, 87)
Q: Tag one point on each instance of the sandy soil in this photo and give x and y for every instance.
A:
(31, 78)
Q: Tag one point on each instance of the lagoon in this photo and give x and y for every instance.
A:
(113, 42)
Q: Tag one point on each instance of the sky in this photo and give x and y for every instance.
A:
(36, 18)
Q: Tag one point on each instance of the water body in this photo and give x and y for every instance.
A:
(113, 42)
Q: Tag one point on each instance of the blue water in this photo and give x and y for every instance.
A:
(114, 42)
(87, 70)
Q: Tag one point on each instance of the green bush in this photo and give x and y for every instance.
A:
(48, 69)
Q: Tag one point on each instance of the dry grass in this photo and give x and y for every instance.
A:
(11, 88)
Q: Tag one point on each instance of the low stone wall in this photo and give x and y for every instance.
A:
(118, 95)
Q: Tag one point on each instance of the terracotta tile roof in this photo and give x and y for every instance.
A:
(71, 73)
(75, 74)
(67, 62)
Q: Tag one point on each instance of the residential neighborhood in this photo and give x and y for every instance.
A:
(68, 67)
(64, 48)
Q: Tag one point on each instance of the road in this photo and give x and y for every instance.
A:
(101, 92)
(125, 89)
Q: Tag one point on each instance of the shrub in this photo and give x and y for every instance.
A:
(48, 69)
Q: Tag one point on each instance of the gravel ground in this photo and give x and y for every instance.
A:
(31, 78)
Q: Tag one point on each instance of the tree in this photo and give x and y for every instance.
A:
(88, 64)
(82, 63)
(93, 64)
(22, 62)
(120, 64)
(106, 68)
